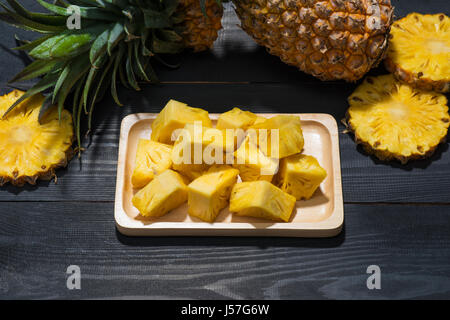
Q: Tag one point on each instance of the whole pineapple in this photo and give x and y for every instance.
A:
(330, 39)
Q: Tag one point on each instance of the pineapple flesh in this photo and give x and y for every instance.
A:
(210, 193)
(175, 115)
(236, 119)
(152, 158)
(419, 51)
(28, 149)
(261, 199)
(288, 141)
(395, 121)
(164, 193)
(300, 175)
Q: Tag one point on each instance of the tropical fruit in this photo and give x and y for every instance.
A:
(32, 143)
(210, 193)
(175, 115)
(152, 158)
(164, 193)
(236, 119)
(300, 175)
(395, 121)
(282, 137)
(252, 163)
(419, 51)
(330, 39)
(261, 199)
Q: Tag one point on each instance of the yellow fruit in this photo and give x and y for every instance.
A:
(175, 115)
(395, 121)
(419, 51)
(300, 175)
(30, 150)
(190, 171)
(259, 119)
(330, 39)
(252, 163)
(261, 199)
(152, 158)
(209, 194)
(236, 119)
(287, 134)
(164, 193)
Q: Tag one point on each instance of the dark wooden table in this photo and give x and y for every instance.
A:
(396, 217)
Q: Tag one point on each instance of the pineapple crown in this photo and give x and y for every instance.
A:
(117, 39)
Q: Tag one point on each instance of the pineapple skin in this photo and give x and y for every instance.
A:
(164, 193)
(300, 176)
(407, 32)
(30, 150)
(152, 158)
(175, 115)
(365, 109)
(210, 193)
(330, 39)
(261, 199)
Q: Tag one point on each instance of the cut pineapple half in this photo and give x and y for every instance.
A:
(175, 115)
(282, 132)
(395, 121)
(419, 51)
(300, 175)
(28, 149)
(261, 199)
(236, 119)
(252, 163)
(151, 158)
(210, 193)
(164, 193)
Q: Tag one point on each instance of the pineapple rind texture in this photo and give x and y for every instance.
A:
(300, 175)
(329, 39)
(210, 193)
(419, 51)
(30, 150)
(261, 199)
(152, 158)
(393, 120)
(164, 193)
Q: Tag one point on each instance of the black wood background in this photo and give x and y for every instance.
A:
(397, 217)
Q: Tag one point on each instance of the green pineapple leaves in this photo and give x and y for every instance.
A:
(118, 40)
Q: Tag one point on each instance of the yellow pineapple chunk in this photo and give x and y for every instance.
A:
(190, 171)
(259, 119)
(151, 158)
(165, 192)
(210, 193)
(300, 175)
(290, 136)
(261, 199)
(252, 163)
(175, 115)
(236, 119)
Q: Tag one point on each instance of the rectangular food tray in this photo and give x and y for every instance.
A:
(321, 216)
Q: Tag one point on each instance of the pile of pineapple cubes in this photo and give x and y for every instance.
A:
(271, 181)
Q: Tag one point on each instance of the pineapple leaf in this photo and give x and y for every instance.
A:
(92, 73)
(85, 12)
(34, 69)
(37, 17)
(99, 46)
(30, 45)
(155, 19)
(117, 61)
(117, 33)
(62, 77)
(46, 105)
(130, 73)
(119, 3)
(27, 24)
(140, 68)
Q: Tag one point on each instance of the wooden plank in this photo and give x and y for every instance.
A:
(365, 179)
(40, 240)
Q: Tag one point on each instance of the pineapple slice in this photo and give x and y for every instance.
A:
(300, 175)
(175, 115)
(151, 158)
(419, 51)
(30, 150)
(252, 163)
(261, 199)
(210, 193)
(165, 192)
(236, 119)
(395, 121)
(289, 138)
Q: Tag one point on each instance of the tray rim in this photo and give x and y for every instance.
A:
(326, 228)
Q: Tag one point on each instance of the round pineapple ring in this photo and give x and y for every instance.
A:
(395, 121)
(419, 51)
(29, 150)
